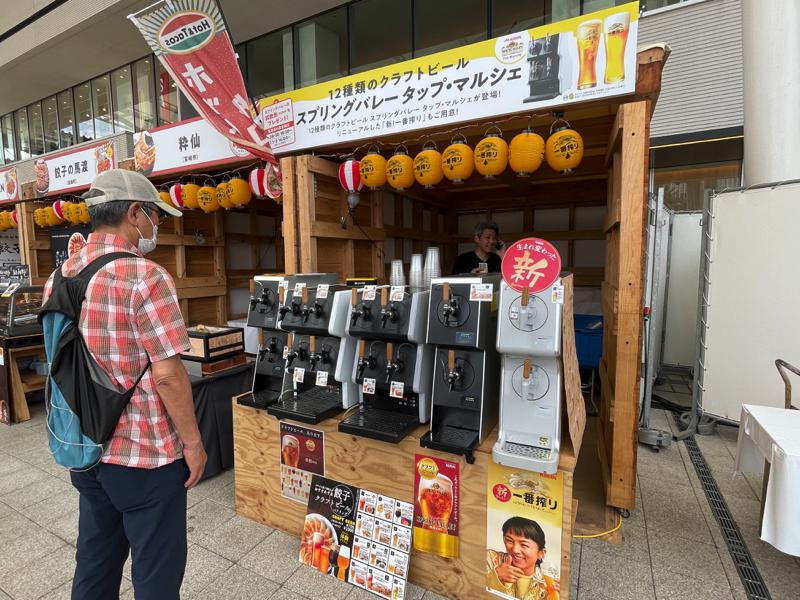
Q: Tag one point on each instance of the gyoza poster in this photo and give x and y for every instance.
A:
(523, 533)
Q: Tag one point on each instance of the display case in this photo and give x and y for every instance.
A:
(19, 310)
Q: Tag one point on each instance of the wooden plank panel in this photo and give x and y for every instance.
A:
(614, 192)
(610, 305)
(334, 230)
(200, 262)
(306, 214)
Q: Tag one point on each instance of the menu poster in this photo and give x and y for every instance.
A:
(302, 457)
(523, 534)
(436, 494)
(358, 536)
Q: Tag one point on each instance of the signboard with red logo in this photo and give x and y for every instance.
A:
(9, 188)
(436, 497)
(533, 263)
(73, 170)
(524, 513)
(190, 39)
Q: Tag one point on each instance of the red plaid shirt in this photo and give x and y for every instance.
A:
(131, 312)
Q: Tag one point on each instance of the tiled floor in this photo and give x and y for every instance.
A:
(672, 550)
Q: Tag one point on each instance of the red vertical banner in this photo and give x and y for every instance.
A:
(190, 39)
(436, 497)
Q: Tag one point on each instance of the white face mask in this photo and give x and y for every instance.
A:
(147, 245)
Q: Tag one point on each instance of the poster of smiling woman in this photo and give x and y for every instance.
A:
(523, 535)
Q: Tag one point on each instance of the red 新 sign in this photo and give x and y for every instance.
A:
(531, 263)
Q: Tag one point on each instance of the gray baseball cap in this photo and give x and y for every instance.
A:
(119, 184)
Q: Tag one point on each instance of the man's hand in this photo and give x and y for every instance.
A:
(507, 573)
(195, 457)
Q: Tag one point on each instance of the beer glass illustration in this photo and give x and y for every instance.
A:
(436, 502)
(290, 448)
(588, 37)
(616, 34)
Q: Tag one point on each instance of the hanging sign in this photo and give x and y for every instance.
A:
(576, 60)
(436, 498)
(523, 533)
(9, 188)
(302, 457)
(73, 170)
(191, 40)
(531, 262)
(193, 143)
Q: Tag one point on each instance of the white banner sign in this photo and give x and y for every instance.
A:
(9, 187)
(75, 170)
(188, 144)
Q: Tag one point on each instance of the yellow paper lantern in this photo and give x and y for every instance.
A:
(81, 212)
(491, 155)
(190, 192)
(165, 197)
(526, 153)
(223, 195)
(400, 169)
(428, 166)
(68, 210)
(51, 217)
(458, 161)
(372, 169)
(40, 217)
(5, 220)
(239, 192)
(207, 199)
(14, 221)
(564, 148)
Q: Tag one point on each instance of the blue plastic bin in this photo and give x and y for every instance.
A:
(589, 340)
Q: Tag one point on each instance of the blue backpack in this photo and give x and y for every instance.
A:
(83, 403)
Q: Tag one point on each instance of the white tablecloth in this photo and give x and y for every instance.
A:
(774, 434)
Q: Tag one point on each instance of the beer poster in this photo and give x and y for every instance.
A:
(302, 457)
(358, 536)
(523, 533)
(436, 497)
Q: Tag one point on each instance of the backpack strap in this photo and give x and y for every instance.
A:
(98, 263)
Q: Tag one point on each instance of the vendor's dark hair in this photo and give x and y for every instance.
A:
(483, 225)
(527, 529)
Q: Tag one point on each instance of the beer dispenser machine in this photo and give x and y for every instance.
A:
(462, 326)
(393, 365)
(529, 338)
(316, 383)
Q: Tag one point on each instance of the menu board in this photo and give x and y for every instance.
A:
(302, 457)
(358, 536)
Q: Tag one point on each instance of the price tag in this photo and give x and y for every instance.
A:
(285, 352)
(480, 292)
(322, 290)
(369, 292)
(558, 293)
(322, 378)
(368, 387)
(298, 289)
(299, 375)
(283, 284)
(396, 293)
(396, 389)
(514, 312)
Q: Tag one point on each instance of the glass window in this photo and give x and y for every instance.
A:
(9, 151)
(380, 33)
(270, 63)
(564, 9)
(321, 47)
(685, 186)
(167, 97)
(593, 5)
(50, 119)
(66, 119)
(101, 101)
(654, 4)
(510, 16)
(21, 134)
(144, 113)
(446, 24)
(122, 98)
(36, 128)
(83, 110)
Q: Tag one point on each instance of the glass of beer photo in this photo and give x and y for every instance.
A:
(290, 450)
(588, 37)
(343, 561)
(616, 34)
(436, 502)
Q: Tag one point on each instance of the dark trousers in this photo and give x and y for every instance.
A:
(141, 510)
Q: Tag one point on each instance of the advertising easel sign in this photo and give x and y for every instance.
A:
(302, 457)
(531, 263)
(523, 533)
(436, 497)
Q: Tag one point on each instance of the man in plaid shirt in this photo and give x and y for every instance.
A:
(135, 499)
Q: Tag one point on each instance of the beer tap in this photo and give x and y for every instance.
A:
(390, 312)
(313, 357)
(362, 311)
(392, 366)
(281, 298)
(527, 312)
(305, 310)
(293, 353)
(450, 308)
(264, 299)
(454, 373)
(364, 362)
(527, 382)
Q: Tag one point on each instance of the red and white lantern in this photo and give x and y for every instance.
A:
(14, 217)
(266, 183)
(176, 195)
(350, 178)
(58, 208)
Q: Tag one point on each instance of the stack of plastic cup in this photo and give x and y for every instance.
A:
(415, 275)
(398, 276)
(433, 266)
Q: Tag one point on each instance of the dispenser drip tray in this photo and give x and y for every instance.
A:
(455, 440)
(378, 424)
(261, 399)
(312, 406)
